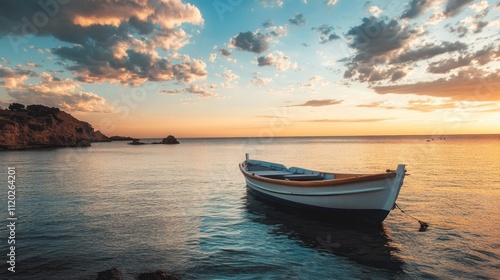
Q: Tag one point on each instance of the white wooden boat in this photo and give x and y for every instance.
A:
(365, 196)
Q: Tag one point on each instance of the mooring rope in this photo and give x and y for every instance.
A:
(423, 225)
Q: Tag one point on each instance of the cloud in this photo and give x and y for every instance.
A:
(276, 31)
(318, 103)
(212, 57)
(331, 2)
(272, 3)
(95, 64)
(260, 82)
(378, 104)
(200, 91)
(255, 42)
(474, 23)
(347, 120)
(315, 80)
(429, 50)
(298, 19)
(374, 11)
(480, 57)
(278, 60)
(50, 91)
(326, 32)
(170, 91)
(378, 37)
(480, 7)
(416, 8)
(268, 23)
(365, 72)
(453, 7)
(110, 40)
(377, 44)
(430, 105)
(468, 85)
(4, 60)
(225, 52)
(230, 77)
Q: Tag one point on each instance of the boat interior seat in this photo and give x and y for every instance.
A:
(303, 177)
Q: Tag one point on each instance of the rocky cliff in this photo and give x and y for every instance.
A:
(38, 126)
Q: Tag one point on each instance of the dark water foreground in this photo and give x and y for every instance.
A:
(184, 210)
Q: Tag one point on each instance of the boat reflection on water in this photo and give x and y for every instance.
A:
(363, 243)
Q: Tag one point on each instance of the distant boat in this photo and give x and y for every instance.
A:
(367, 197)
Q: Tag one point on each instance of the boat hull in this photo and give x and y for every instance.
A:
(369, 215)
(369, 200)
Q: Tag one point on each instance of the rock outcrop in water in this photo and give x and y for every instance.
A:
(110, 274)
(38, 126)
(169, 140)
(122, 138)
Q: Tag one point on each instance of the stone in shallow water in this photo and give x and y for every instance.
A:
(110, 274)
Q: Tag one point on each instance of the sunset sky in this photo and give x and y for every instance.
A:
(248, 68)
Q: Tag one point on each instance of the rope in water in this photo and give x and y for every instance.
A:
(423, 225)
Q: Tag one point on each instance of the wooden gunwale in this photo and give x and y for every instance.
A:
(321, 183)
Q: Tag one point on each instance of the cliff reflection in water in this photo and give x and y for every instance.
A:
(363, 243)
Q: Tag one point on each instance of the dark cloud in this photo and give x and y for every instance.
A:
(398, 74)
(143, 27)
(268, 23)
(481, 57)
(416, 8)
(225, 52)
(480, 25)
(453, 6)
(377, 43)
(298, 19)
(170, 91)
(461, 30)
(112, 40)
(255, 42)
(378, 37)
(446, 65)
(469, 85)
(318, 103)
(265, 60)
(429, 50)
(326, 32)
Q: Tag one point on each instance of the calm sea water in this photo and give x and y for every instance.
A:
(184, 209)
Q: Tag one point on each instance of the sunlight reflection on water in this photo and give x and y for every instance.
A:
(184, 209)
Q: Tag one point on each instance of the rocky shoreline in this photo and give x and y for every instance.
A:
(38, 127)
